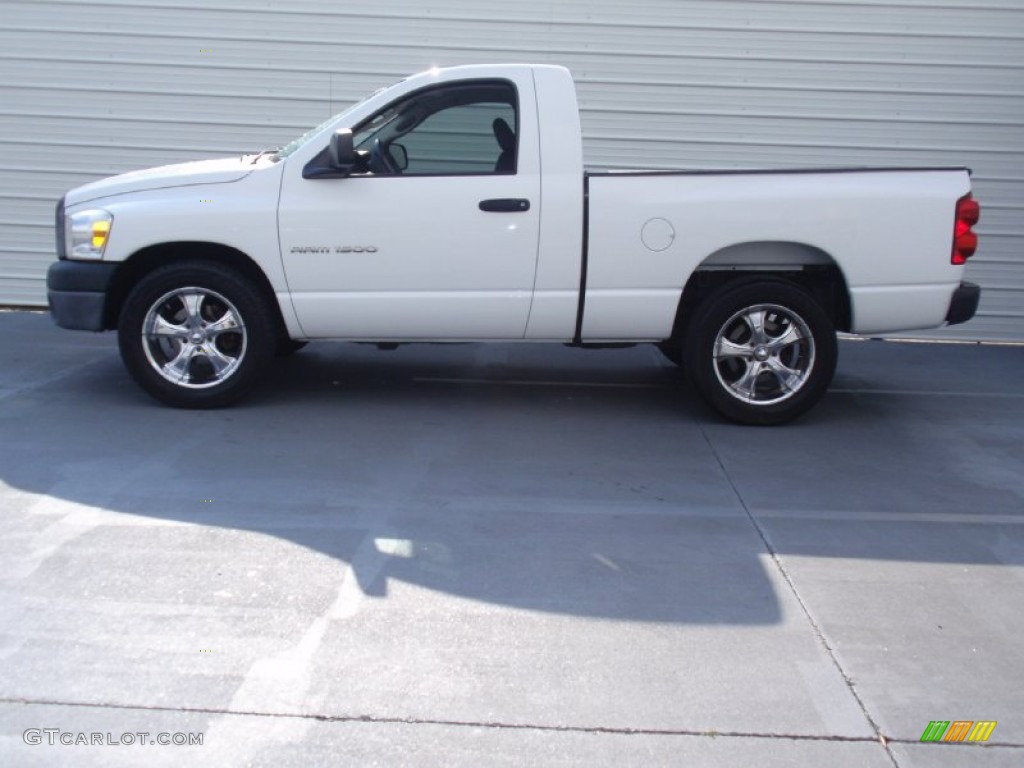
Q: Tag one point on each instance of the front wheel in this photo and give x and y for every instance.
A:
(762, 353)
(196, 335)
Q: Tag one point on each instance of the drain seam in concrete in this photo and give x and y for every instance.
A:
(493, 725)
(818, 631)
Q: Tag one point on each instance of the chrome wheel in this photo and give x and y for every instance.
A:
(194, 338)
(764, 354)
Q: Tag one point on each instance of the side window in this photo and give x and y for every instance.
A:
(462, 129)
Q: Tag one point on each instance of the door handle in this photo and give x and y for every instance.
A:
(505, 205)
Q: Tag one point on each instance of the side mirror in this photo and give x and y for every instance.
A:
(342, 153)
(338, 161)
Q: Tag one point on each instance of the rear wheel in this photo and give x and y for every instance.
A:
(762, 352)
(196, 335)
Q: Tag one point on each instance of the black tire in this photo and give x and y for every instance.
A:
(766, 378)
(196, 334)
(287, 347)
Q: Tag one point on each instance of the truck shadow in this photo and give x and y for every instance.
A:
(542, 479)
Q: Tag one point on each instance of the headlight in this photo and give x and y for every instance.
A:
(86, 234)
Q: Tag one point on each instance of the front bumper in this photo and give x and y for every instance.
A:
(964, 303)
(77, 292)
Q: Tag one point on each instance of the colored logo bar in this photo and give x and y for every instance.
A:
(958, 730)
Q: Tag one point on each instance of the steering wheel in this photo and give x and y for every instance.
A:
(380, 160)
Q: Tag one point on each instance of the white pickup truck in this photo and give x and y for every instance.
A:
(453, 206)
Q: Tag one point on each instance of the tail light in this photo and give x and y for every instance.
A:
(965, 241)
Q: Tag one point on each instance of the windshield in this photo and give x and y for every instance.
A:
(291, 146)
(294, 146)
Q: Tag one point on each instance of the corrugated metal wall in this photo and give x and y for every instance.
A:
(94, 88)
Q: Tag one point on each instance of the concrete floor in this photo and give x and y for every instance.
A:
(509, 555)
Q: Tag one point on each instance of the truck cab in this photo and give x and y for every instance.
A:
(438, 214)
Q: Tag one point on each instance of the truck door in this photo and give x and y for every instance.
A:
(435, 235)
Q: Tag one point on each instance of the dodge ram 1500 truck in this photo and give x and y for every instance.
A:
(454, 206)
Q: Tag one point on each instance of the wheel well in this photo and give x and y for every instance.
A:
(808, 268)
(142, 262)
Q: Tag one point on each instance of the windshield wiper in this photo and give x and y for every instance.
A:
(258, 155)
